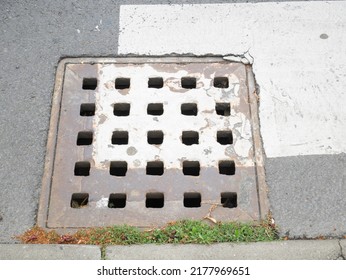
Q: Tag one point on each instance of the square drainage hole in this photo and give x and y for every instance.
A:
(154, 168)
(154, 200)
(221, 82)
(227, 167)
(89, 83)
(192, 200)
(120, 138)
(155, 109)
(191, 168)
(229, 199)
(189, 109)
(155, 137)
(118, 168)
(223, 109)
(117, 200)
(79, 200)
(122, 83)
(84, 138)
(188, 82)
(224, 137)
(82, 168)
(121, 109)
(87, 109)
(190, 137)
(156, 82)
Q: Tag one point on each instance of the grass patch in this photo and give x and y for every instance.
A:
(181, 232)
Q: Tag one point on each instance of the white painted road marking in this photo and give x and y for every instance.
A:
(299, 52)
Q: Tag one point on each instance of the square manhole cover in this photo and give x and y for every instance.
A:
(145, 141)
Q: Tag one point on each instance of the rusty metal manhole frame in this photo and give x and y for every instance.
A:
(262, 190)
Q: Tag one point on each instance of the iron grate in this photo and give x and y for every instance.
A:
(148, 142)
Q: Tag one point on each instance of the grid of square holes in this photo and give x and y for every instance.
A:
(155, 137)
(149, 143)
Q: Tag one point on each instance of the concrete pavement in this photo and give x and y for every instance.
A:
(276, 250)
(49, 252)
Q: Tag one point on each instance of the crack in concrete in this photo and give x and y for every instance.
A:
(342, 256)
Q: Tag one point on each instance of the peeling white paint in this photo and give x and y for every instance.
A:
(301, 73)
(138, 152)
(102, 203)
(242, 147)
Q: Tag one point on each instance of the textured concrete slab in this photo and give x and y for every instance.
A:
(307, 194)
(296, 49)
(49, 252)
(343, 248)
(280, 250)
